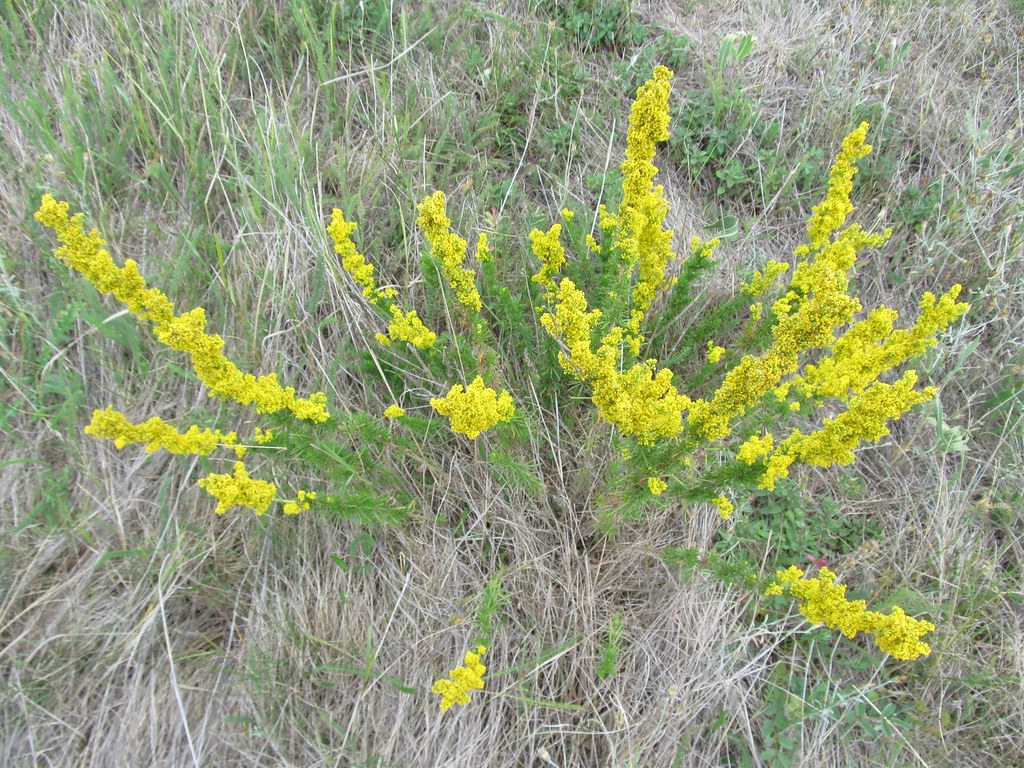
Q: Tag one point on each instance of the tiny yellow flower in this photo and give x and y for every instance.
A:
(301, 504)
(725, 507)
(462, 680)
(657, 485)
(715, 352)
(394, 412)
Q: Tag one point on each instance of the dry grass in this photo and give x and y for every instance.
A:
(136, 628)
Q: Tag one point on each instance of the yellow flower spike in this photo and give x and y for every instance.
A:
(352, 261)
(639, 234)
(715, 352)
(239, 490)
(156, 434)
(462, 680)
(450, 250)
(831, 213)
(183, 333)
(474, 409)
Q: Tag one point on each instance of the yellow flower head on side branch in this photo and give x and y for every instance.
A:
(450, 249)
(183, 333)
(462, 680)
(239, 490)
(352, 261)
(474, 409)
(301, 503)
(822, 601)
(866, 418)
(156, 434)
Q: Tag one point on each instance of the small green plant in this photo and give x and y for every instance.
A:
(597, 24)
(611, 645)
(792, 698)
(727, 138)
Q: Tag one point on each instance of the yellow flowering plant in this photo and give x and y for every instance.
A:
(807, 360)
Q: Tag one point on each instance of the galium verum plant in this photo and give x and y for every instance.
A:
(804, 350)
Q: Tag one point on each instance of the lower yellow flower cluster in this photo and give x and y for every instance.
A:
(822, 601)
(464, 679)
(239, 490)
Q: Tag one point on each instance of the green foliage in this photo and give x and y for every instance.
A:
(492, 601)
(724, 141)
(611, 645)
(597, 25)
(787, 527)
(728, 568)
(791, 699)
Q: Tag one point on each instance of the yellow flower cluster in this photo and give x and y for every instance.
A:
(814, 306)
(184, 333)
(352, 261)
(483, 250)
(822, 601)
(831, 213)
(450, 249)
(547, 246)
(474, 409)
(239, 490)
(865, 419)
(405, 326)
(394, 412)
(657, 485)
(300, 504)
(462, 680)
(641, 401)
(872, 346)
(408, 327)
(715, 352)
(763, 279)
(156, 434)
(725, 507)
